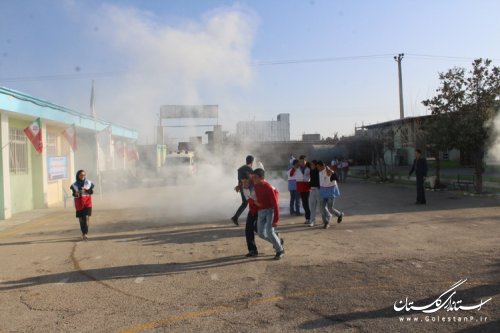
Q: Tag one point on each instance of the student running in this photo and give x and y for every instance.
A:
(82, 190)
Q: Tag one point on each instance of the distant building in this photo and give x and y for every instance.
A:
(265, 131)
(311, 137)
(194, 142)
(216, 138)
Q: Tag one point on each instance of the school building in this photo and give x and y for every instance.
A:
(31, 180)
(401, 137)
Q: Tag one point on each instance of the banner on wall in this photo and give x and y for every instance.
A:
(57, 167)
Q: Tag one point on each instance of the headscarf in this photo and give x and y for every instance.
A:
(80, 182)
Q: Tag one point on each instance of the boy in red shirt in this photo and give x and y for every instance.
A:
(268, 211)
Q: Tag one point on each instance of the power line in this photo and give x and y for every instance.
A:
(441, 57)
(55, 77)
(94, 75)
(316, 60)
(80, 76)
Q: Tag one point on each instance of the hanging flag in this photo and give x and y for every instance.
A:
(34, 133)
(104, 140)
(70, 135)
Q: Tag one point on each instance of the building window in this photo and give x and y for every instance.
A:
(51, 144)
(18, 160)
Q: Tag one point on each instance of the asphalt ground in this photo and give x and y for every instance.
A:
(154, 267)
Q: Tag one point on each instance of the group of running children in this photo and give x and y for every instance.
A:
(314, 183)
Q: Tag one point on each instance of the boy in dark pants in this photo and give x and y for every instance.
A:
(420, 168)
(244, 170)
(251, 224)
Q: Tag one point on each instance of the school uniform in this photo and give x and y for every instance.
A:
(329, 190)
(82, 192)
(303, 188)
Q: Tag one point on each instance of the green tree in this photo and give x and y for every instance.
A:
(464, 109)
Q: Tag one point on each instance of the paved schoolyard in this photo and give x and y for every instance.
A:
(160, 267)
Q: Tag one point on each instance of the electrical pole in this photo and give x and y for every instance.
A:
(96, 138)
(398, 59)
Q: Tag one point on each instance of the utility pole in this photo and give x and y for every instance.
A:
(398, 59)
(96, 136)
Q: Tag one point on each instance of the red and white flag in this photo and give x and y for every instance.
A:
(70, 135)
(34, 133)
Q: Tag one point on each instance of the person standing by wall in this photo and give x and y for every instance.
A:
(292, 188)
(303, 186)
(82, 190)
(243, 170)
(420, 168)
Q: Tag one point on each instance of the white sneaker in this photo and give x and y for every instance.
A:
(311, 224)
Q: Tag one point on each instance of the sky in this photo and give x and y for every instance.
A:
(329, 64)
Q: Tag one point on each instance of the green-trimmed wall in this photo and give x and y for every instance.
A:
(21, 186)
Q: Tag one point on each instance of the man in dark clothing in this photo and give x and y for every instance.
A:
(314, 196)
(420, 168)
(244, 170)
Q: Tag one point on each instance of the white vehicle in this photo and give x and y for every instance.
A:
(178, 167)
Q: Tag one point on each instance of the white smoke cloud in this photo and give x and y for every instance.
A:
(494, 151)
(171, 63)
(172, 60)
